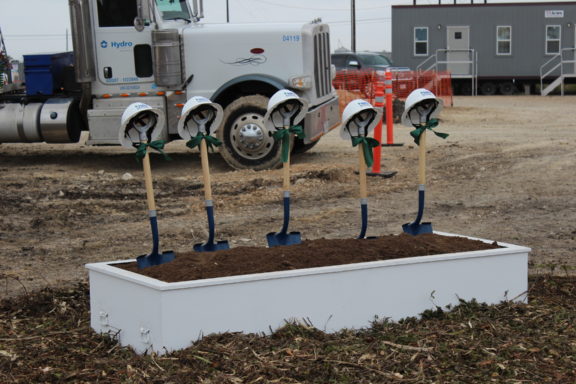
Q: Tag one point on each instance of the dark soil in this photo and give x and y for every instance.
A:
(45, 337)
(308, 254)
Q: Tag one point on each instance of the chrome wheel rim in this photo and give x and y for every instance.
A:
(249, 138)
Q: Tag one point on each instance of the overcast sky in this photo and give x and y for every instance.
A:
(39, 26)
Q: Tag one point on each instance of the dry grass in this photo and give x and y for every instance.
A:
(45, 338)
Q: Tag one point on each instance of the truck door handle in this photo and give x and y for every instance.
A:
(107, 72)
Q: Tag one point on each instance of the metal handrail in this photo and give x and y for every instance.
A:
(553, 69)
(472, 53)
(419, 67)
(559, 65)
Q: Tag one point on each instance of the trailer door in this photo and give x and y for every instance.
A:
(123, 55)
(458, 56)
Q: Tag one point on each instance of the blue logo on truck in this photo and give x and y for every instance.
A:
(116, 44)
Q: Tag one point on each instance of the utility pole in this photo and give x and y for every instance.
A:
(227, 12)
(353, 23)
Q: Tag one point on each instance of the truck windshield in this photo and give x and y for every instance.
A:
(173, 9)
(114, 13)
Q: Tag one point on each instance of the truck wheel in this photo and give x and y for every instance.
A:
(488, 88)
(466, 89)
(246, 143)
(398, 107)
(507, 88)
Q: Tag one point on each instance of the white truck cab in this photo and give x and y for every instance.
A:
(160, 53)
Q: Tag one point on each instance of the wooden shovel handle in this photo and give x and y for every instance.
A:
(148, 182)
(286, 174)
(362, 172)
(205, 170)
(422, 159)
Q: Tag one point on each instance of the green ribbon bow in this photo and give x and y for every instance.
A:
(157, 145)
(431, 124)
(367, 144)
(211, 141)
(284, 136)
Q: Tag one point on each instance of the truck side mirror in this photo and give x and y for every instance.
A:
(143, 16)
(354, 63)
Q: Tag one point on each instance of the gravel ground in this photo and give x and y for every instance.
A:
(506, 173)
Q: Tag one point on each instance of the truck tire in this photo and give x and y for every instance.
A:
(488, 88)
(465, 89)
(507, 88)
(246, 143)
(397, 109)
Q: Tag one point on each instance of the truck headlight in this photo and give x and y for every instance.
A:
(301, 82)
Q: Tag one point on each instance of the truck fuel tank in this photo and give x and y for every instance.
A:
(58, 120)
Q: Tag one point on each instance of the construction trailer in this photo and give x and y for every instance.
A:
(489, 48)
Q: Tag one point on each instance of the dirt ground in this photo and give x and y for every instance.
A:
(506, 173)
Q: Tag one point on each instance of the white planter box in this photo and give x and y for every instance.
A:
(148, 314)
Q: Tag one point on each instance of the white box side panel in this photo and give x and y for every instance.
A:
(170, 316)
(130, 311)
(340, 300)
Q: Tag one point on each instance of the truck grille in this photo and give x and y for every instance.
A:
(322, 76)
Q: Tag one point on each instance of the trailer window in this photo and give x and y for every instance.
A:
(116, 13)
(420, 41)
(504, 40)
(552, 39)
(173, 9)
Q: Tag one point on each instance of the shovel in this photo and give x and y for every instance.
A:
(154, 257)
(284, 237)
(362, 167)
(209, 245)
(417, 228)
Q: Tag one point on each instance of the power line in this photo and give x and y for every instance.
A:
(37, 38)
(314, 8)
(377, 20)
(363, 21)
(35, 35)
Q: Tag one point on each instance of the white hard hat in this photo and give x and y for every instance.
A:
(190, 122)
(359, 111)
(144, 117)
(421, 103)
(274, 118)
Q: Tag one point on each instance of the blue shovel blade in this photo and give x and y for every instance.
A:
(153, 259)
(211, 246)
(283, 238)
(417, 228)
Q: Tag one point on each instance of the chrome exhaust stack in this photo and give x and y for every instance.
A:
(197, 10)
(82, 41)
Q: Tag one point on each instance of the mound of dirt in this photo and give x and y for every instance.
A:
(308, 254)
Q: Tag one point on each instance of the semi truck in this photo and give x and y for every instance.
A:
(160, 53)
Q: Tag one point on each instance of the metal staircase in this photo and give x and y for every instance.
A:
(464, 60)
(556, 70)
